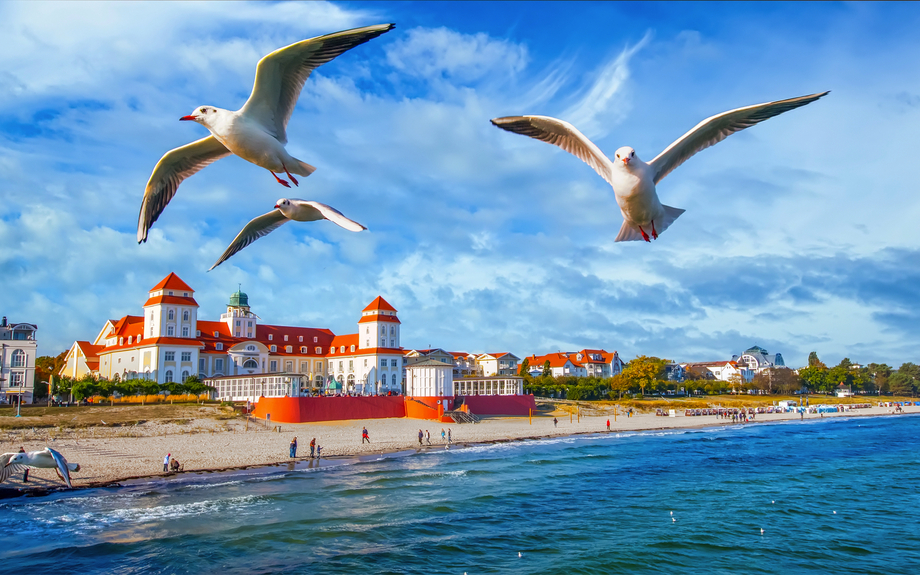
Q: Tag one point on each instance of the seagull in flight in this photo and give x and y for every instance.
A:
(635, 182)
(285, 211)
(257, 131)
(46, 459)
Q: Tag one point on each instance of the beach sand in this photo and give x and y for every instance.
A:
(107, 455)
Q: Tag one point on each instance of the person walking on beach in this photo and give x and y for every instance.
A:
(442, 435)
(555, 422)
(364, 436)
(420, 436)
(294, 447)
(313, 447)
(449, 440)
(166, 462)
(428, 436)
(608, 425)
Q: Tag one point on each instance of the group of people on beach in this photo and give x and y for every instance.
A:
(445, 436)
(315, 450)
(171, 464)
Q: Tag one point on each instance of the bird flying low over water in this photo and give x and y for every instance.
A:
(257, 131)
(634, 181)
(285, 211)
(46, 459)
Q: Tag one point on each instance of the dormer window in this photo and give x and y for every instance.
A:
(197, 333)
(331, 350)
(319, 351)
(274, 348)
(269, 337)
(121, 341)
(315, 339)
(218, 346)
(352, 348)
(170, 293)
(303, 349)
(342, 349)
(185, 293)
(129, 340)
(299, 338)
(288, 348)
(216, 334)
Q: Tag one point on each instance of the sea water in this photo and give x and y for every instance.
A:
(831, 496)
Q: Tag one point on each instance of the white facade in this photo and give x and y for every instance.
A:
(252, 387)
(497, 364)
(495, 385)
(18, 349)
(429, 378)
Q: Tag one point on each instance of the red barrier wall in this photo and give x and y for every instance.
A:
(309, 409)
(500, 404)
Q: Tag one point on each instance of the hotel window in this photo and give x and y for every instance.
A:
(303, 349)
(331, 350)
(170, 331)
(172, 315)
(274, 348)
(185, 294)
(184, 374)
(341, 368)
(186, 356)
(169, 293)
(17, 379)
(383, 330)
(185, 315)
(392, 343)
(249, 324)
(274, 366)
(19, 359)
(289, 366)
(315, 339)
(121, 341)
(392, 330)
(383, 363)
(288, 348)
(304, 367)
(170, 356)
(319, 350)
(352, 349)
(351, 365)
(237, 323)
(184, 331)
(342, 349)
(285, 338)
(269, 337)
(130, 339)
(393, 363)
(219, 346)
(367, 330)
(319, 366)
(299, 338)
(169, 376)
(151, 331)
(201, 364)
(219, 365)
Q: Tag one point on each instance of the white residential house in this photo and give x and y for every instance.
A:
(757, 359)
(720, 370)
(18, 350)
(502, 363)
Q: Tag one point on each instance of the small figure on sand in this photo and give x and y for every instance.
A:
(608, 425)
(175, 466)
(166, 462)
(449, 440)
(364, 436)
(420, 436)
(555, 422)
(428, 436)
(312, 447)
(294, 447)
(319, 451)
(443, 435)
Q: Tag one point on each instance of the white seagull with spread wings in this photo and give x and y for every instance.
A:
(257, 131)
(46, 459)
(634, 181)
(285, 211)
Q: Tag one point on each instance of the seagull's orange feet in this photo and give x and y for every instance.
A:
(280, 181)
(654, 233)
(644, 235)
(293, 179)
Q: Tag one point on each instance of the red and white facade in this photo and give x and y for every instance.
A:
(169, 343)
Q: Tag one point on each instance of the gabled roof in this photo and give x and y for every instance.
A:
(555, 360)
(173, 282)
(173, 299)
(379, 304)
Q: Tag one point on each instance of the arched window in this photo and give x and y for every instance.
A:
(169, 376)
(172, 315)
(394, 379)
(184, 375)
(383, 329)
(19, 359)
(185, 315)
(250, 364)
(274, 348)
(392, 330)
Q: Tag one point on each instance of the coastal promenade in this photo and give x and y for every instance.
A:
(207, 444)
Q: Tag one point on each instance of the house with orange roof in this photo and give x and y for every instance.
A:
(168, 342)
(560, 364)
(720, 370)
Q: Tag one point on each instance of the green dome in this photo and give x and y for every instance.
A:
(239, 299)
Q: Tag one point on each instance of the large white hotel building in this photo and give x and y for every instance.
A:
(169, 343)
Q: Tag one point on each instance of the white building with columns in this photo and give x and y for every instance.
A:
(170, 343)
(18, 349)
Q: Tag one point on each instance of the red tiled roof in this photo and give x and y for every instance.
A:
(370, 318)
(172, 282)
(89, 350)
(555, 360)
(379, 304)
(171, 299)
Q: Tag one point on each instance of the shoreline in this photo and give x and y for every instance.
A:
(112, 468)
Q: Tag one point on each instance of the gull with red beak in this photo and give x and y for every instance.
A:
(634, 181)
(285, 211)
(257, 131)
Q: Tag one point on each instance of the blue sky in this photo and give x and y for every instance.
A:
(800, 234)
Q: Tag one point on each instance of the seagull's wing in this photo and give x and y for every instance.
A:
(280, 76)
(62, 468)
(255, 229)
(333, 215)
(6, 470)
(169, 172)
(715, 129)
(562, 134)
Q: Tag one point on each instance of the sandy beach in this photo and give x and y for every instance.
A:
(107, 455)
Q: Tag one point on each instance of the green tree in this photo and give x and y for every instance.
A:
(813, 377)
(644, 371)
(525, 368)
(813, 360)
(547, 370)
(84, 388)
(879, 372)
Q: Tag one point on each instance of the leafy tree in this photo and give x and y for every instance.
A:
(525, 368)
(46, 366)
(547, 370)
(784, 380)
(879, 372)
(644, 371)
(86, 387)
(813, 377)
(813, 360)
(901, 384)
(619, 384)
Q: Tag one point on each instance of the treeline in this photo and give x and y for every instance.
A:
(88, 387)
(647, 375)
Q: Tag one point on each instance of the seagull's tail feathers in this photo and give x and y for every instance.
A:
(629, 233)
(301, 169)
(73, 466)
(670, 214)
